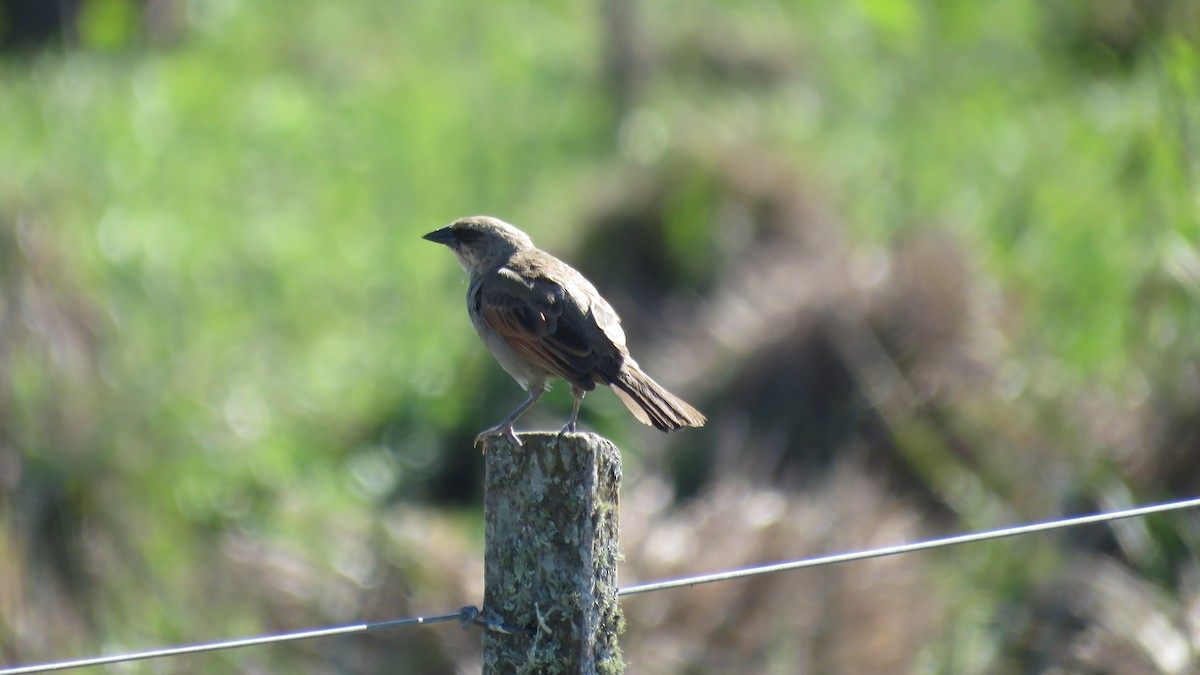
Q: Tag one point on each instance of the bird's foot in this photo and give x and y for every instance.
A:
(568, 428)
(498, 431)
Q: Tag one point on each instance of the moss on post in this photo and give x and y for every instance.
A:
(551, 551)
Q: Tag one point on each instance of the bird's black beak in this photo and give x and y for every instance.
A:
(442, 236)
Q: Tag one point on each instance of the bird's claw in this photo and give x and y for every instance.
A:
(568, 428)
(498, 431)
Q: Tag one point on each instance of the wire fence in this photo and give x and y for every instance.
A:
(231, 644)
(469, 616)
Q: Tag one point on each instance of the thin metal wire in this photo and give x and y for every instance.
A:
(460, 615)
(908, 548)
(470, 615)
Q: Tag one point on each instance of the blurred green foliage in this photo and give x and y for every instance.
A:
(222, 339)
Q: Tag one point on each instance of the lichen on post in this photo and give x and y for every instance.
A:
(550, 554)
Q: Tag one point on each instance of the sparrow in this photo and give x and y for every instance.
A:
(543, 320)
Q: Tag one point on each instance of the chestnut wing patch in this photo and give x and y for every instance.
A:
(540, 322)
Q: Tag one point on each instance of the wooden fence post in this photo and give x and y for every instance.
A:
(550, 555)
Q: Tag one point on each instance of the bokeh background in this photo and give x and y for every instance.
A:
(929, 267)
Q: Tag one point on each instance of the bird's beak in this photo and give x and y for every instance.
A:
(442, 236)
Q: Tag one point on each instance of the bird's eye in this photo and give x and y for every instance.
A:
(466, 236)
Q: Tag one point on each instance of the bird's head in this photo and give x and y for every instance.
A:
(481, 243)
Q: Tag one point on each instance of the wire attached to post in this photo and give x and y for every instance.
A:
(909, 548)
(470, 615)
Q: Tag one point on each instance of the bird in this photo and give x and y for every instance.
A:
(543, 321)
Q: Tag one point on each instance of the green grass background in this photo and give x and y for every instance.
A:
(229, 363)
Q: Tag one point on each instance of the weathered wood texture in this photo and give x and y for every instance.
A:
(551, 551)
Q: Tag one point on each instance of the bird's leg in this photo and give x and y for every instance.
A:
(577, 394)
(505, 428)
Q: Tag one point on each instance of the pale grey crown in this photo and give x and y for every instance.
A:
(483, 242)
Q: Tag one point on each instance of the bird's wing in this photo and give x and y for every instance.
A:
(543, 323)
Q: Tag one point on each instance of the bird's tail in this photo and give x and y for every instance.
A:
(652, 404)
